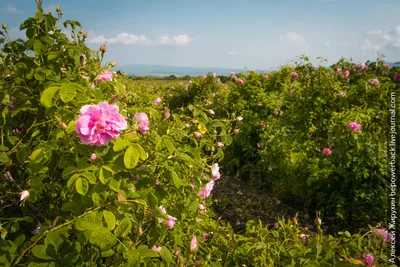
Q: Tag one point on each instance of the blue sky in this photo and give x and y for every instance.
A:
(237, 33)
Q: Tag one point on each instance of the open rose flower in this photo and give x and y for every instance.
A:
(99, 124)
(346, 74)
(157, 101)
(382, 232)
(354, 126)
(374, 82)
(206, 191)
(294, 75)
(106, 76)
(327, 151)
(215, 172)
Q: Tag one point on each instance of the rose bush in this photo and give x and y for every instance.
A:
(98, 171)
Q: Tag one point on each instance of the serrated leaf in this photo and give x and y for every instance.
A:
(90, 177)
(43, 252)
(120, 144)
(124, 228)
(3, 157)
(109, 217)
(103, 238)
(141, 151)
(175, 178)
(131, 158)
(81, 186)
(68, 92)
(46, 99)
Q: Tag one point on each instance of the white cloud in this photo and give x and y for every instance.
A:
(177, 40)
(131, 39)
(370, 46)
(126, 38)
(233, 53)
(387, 37)
(374, 32)
(393, 39)
(295, 38)
(13, 9)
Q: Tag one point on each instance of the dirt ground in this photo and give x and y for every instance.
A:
(236, 202)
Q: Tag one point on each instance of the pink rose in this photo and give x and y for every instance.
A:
(369, 259)
(206, 191)
(99, 124)
(106, 76)
(327, 151)
(354, 126)
(220, 144)
(266, 77)
(240, 81)
(382, 232)
(294, 75)
(143, 121)
(346, 74)
(374, 82)
(157, 101)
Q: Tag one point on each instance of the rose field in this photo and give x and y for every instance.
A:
(99, 168)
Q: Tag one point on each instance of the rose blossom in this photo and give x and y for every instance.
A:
(327, 151)
(354, 126)
(99, 124)
(206, 191)
(143, 122)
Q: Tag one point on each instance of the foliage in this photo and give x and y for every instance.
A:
(135, 200)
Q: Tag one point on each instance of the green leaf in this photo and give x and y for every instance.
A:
(103, 238)
(90, 222)
(120, 144)
(124, 228)
(131, 158)
(71, 181)
(37, 47)
(110, 219)
(68, 92)
(4, 158)
(152, 200)
(170, 145)
(166, 254)
(141, 151)
(90, 177)
(175, 178)
(44, 252)
(46, 99)
(114, 185)
(82, 186)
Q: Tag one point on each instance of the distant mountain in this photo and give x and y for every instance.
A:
(396, 64)
(164, 70)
